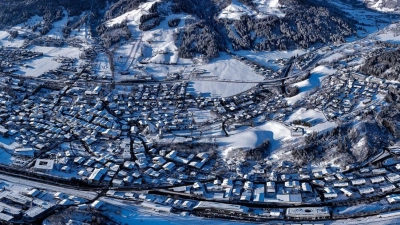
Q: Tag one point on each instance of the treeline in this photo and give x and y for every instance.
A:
(385, 65)
(203, 37)
(14, 12)
(303, 25)
(114, 34)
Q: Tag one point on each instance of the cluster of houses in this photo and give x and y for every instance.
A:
(308, 186)
(348, 93)
(27, 205)
(12, 58)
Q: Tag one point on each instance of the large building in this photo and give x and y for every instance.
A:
(310, 213)
(44, 165)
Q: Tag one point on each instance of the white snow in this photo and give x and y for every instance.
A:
(388, 37)
(130, 214)
(56, 31)
(235, 10)
(265, 58)
(217, 89)
(38, 66)
(227, 68)
(333, 57)
(251, 137)
(201, 116)
(134, 15)
(70, 52)
(264, 7)
(377, 5)
(310, 115)
(161, 40)
(321, 127)
(308, 85)
(6, 41)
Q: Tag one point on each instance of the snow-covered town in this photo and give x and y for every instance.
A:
(132, 132)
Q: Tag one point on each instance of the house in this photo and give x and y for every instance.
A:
(96, 204)
(306, 187)
(259, 193)
(97, 174)
(379, 171)
(330, 193)
(393, 177)
(270, 187)
(366, 190)
(346, 192)
(292, 184)
(387, 188)
(27, 152)
(169, 166)
(393, 198)
(340, 184)
(377, 179)
(356, 182)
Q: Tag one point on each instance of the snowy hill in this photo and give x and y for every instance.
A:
(383, 5)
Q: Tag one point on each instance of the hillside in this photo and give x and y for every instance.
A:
(200, 28)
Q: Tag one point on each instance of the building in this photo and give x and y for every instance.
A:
(366, 190)
(202, 205)
(44, 165)
(330, 193)
(387, 188)
(346, 192)
(27, 152)
(377, 179)
(393, 198)
(310, 213)
(358, 182)
(157, 207)
(97, 174)
(96, 204)
(393, 178)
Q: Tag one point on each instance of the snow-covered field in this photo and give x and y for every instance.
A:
(226, 68)
(70, 52)
(217, 89)
(315, 79)
(134, 15)
(316, 118)
(333, 57)
(266, 58)
(391, 34)
(264, 7)
(251, 137)
(38, 66)
(7, 42)
(377, 5)
(201, 116)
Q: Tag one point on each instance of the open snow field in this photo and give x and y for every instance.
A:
(217, 89)
(227, 68)
(267, 58)
(251, 137)
(315, 79)
(390, 34)
(264, 7)
(7, 42)
(377, 5)
(38, 66)
(316, 118)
